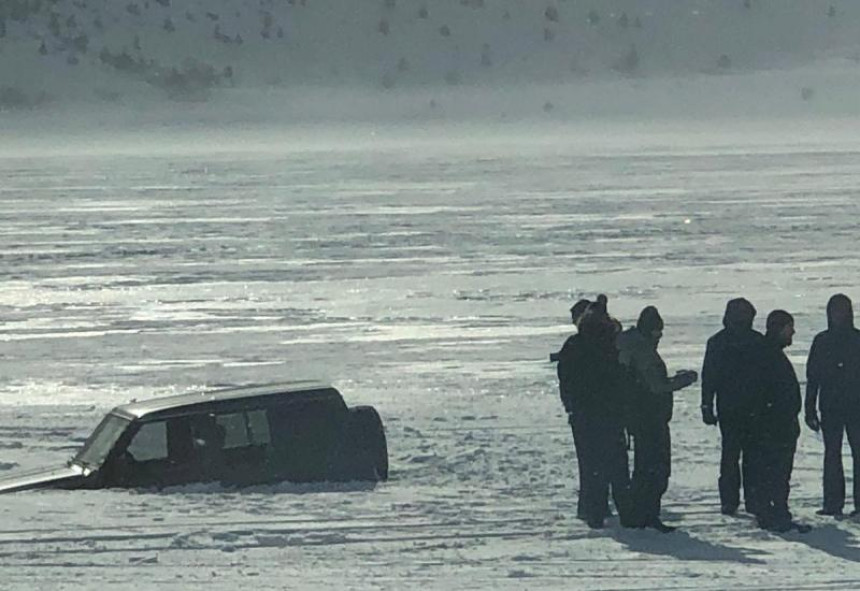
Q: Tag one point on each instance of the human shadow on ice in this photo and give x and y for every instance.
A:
(295, 488)
(832, 540)
(682, 546)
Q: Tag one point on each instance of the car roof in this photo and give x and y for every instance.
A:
(208, 398)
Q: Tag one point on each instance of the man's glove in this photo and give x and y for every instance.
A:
(708, 416)
(684, 378)
(812, 420)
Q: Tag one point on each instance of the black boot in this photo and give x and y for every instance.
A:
(661, 527)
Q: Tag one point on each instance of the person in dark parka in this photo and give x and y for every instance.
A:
(733, 372)
(779, 428)
(833, 387)
(650, 413)
(567, 398)
(593, 390)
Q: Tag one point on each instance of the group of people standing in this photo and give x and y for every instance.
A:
(615, 387)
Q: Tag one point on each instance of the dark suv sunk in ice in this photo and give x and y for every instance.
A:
(297, 432)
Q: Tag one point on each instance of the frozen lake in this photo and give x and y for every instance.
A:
(428, 273)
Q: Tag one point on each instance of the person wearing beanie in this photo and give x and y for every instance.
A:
(776, 440)
(734, 374)
(649, 416)
(567, 399)
(593, 390)
(577, 310)
(833, 388)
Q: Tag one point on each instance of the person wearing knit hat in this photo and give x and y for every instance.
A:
(650, 412)
(593, 392)
(734, 374)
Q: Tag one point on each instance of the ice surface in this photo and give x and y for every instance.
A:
(429, 274)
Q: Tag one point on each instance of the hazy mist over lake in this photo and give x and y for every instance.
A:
(291, 61)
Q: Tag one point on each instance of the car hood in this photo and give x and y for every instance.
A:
(63, 477)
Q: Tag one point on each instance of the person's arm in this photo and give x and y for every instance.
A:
(813, 385)
(651, 369)
(709, 375)
(709, 382)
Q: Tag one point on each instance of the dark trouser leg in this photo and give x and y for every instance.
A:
(577, 446)
(586, 477)
(619, 473)
(605, 459)
(780, 484)
(757, 461)
(852, 427)
(730, 474)
(832, 427)
(594, 489)
(651, 469)
(751, 468)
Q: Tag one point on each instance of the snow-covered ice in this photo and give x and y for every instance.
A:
(429, 273)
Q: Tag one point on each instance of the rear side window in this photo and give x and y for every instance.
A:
(233, 425)
(244, 429)
(258, 425)
(150, 442)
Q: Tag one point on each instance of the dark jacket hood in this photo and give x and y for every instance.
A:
(739, 315)
(837, 303)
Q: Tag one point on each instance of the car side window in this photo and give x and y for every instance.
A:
(235, 433)
(150, 442)
(258, 425)
(243, 429)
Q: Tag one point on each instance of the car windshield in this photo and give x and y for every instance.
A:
(99, 444)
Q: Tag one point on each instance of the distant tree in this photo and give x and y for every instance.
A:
(453, 78)
(168, 25)
(486, 57)
(383, 27)
(423, 13)
(54, 24)
(445, 31)
(831, 12)
(551, 14)
(629, 62)
(724, 62)
(81, 43)
(623, 21)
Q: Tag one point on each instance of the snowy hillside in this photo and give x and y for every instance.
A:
(110, 51)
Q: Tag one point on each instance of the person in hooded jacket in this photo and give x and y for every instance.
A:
(779, 428)
(650, 413)
(833, 387)
(593, 390)
(734, 373)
